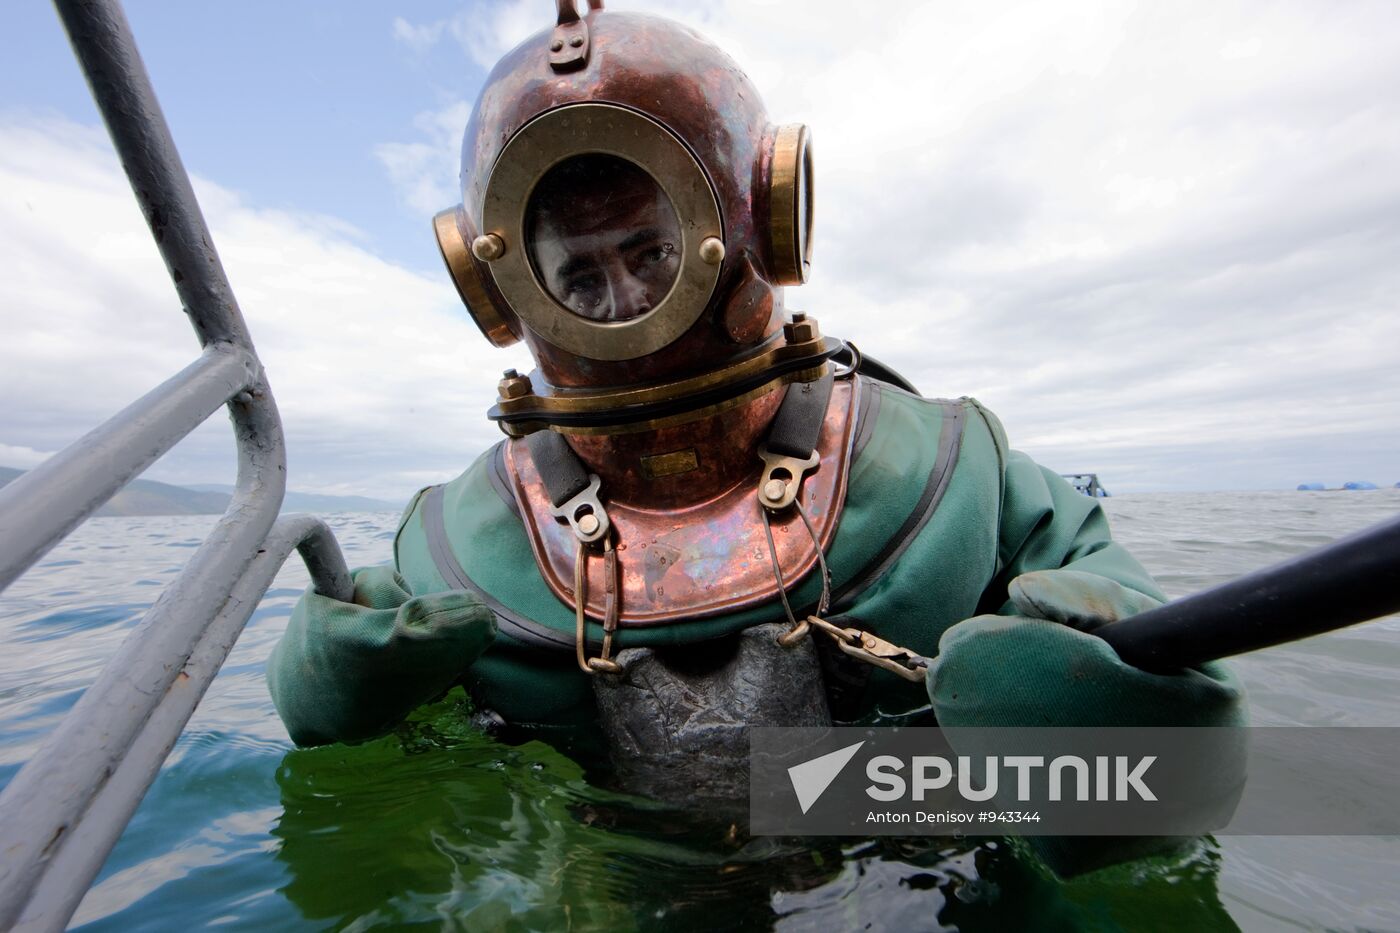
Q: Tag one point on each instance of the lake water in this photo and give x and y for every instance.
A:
(436, 826)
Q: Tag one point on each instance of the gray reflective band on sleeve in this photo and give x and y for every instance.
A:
(500, 479)
(440, 549)
(949, 444)
(868, 415)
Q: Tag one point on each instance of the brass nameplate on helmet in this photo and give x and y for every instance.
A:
(677, 461)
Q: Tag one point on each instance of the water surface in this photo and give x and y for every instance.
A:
(439, 827)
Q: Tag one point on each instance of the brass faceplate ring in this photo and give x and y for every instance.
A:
(791, 202)
(575, 130)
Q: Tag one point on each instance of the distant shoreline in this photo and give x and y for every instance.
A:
(143, 497)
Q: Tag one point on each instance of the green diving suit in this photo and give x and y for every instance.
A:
(941, 519)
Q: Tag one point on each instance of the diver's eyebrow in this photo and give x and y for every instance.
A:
(575, 265)
(640, 237)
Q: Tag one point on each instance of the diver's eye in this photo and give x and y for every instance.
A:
(584, 292)
(659, 253)
(651, 256)
(587, 283)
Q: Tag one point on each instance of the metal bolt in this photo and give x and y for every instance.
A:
(556, 45)
(773, 490)
(514, 385)
(510, 374)
(488, 247)
(712, 250)
(801, 329)
(588, 524)
(576, 42)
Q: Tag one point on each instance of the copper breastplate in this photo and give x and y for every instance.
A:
(707, 558)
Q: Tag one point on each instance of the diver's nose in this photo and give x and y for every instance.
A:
(630, 296)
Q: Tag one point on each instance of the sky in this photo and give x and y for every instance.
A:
(1160, 241)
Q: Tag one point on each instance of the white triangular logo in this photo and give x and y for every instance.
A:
(811, 778)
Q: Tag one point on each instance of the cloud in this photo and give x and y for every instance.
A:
(379, 374)
(1157, 240)
(424, 172)
(419, 38)
(22, 457)
(1134, 232)
(483, 34)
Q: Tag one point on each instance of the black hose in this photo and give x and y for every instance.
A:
(1351, 580)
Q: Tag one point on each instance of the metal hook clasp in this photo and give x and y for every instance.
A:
(585, 513)
(782, 478)
(873, 649)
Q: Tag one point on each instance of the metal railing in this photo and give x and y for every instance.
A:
(62, 813)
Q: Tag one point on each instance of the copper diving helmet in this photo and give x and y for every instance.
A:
(630, 213)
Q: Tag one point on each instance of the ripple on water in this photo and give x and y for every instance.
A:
(61, 624)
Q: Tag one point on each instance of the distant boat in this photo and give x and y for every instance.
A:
(1359, 484)
(1087, 483)
(1311, 487)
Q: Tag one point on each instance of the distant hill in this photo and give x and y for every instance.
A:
(147, 497)
(316, 502)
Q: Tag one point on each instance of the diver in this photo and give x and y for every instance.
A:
(706, 513)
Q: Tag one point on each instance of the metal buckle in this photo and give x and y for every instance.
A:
(585, 513)
(589, 520)
(782, 478)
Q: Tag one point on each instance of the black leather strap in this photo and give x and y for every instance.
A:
(799, 423)
(869, 366)
(559, 467)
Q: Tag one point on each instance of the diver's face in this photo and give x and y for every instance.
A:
(606, 242)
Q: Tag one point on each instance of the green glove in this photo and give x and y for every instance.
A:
(346, 672)
(1041, 668)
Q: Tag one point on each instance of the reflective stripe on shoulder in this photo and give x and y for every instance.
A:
(950, 435)
(450, 569)
(500, 480)
(403, 521)
(867, 414)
